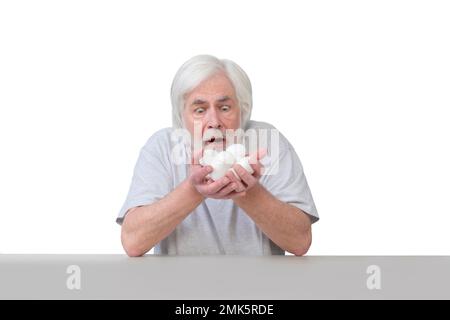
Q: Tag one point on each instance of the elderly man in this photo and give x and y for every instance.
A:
(179, 210)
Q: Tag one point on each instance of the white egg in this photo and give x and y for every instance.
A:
(225, 157)
(221, 163)
(218, 172)
(245, 163)
(237, 150)
(208, 157)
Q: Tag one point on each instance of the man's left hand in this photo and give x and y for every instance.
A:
(244, 180)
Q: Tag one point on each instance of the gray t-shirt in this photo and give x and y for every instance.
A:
(215, 226)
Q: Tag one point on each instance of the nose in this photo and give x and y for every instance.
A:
(213, 121)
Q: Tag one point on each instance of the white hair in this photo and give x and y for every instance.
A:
(200, 68)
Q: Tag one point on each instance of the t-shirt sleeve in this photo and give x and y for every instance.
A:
(151, 178)
(288, 183)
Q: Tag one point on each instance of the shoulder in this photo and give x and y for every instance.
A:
(160, 136)
(252, 124)
(159, 140)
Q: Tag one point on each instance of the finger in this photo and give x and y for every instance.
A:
(256, 156)
(216, 185)
(246, 177)
(258, 169)
(235, 194)
(254, 162)
(241, 184)
(199, 175)
(234, 177)
(226, 190)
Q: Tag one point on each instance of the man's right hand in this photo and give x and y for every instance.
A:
(222, 188)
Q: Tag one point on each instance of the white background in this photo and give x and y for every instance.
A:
(361, 89)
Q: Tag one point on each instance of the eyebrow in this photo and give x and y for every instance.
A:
(221, 99)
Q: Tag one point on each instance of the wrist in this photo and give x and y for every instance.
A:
(250, 194)
(192, 192)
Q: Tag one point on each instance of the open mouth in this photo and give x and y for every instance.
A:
(214, 140)
(213, 136)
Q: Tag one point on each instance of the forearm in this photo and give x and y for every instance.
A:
(143, 227)
(284, 224)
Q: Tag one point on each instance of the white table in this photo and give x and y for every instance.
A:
(223, 277)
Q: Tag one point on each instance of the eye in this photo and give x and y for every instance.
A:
(199, 110)
(225, 108)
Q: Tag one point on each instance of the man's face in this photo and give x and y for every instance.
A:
(211, 107)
